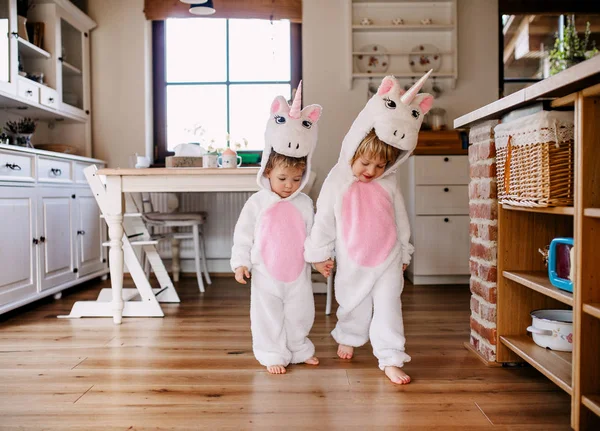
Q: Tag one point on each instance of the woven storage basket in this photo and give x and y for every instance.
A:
(534, 160)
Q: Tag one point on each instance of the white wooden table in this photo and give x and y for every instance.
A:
(120, 181)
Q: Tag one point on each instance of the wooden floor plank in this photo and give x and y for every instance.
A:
(195, 369)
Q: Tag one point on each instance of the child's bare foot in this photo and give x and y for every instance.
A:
(276, 369)
(312, 361)
(345, 352)
(396, 375)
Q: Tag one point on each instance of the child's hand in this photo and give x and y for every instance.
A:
(325, 267)
(240, 272)
(404, 266)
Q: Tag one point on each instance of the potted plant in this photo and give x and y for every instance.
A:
(571, 49)
(21, 131)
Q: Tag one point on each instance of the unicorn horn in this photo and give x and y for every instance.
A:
(297, 105)
(409, 96)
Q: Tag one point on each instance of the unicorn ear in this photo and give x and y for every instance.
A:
(312, 112)
(279, 106)
(388, 85)
(425, 102)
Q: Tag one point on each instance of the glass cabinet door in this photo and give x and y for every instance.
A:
(7, 45)
(72, 65)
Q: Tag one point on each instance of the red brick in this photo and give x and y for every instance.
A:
(483, 349)
(482, 151)
(484, 251)
(487, 293)
(474, 305)
(487, 210)
(487, 333)
(486, 272)
(483, 190)
(483, 171)
(487, 232)
(487, 313)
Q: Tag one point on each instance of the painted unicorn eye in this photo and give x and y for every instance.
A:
(389, 103)
(307, 124)
(279, 119)
(415, 113)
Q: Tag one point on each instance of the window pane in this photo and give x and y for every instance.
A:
(196, 50)
(193, 106)
(259, 50)
(249, 111)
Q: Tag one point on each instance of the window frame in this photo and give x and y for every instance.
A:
(159, 82)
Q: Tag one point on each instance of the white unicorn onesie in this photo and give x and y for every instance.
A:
(269, 240)
(367, 226)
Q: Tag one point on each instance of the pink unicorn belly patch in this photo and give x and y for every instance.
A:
(368, 222)
(282, 236)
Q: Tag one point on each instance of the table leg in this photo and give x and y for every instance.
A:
(114, 219)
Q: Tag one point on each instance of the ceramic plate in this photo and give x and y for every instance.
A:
(378, 62)
(430, 59)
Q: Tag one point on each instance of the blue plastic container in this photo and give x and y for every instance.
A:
(559, 263)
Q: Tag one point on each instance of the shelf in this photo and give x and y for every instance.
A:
(70, 70)
(392, 53)
(546, 210)
(592, 309)
(592, 402)
(539, 282)
(29, 50)
(592, 212)
(405, 27)
(554, 365)
(401, 75)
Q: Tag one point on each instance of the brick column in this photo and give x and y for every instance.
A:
(483, 210)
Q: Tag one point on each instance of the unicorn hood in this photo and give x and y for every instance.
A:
(290, 131)
(395, 115)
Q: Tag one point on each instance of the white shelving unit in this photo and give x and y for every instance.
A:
(401, 41)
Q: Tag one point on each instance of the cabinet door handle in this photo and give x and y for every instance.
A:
(446, 189)
(13, 166)
(50, 99)
(73, 196)
(446, 159)
(15, 34)
(80, 232)
(56, 172)
(29, 92)
(42, 239)
(446, 220)
(35, 241)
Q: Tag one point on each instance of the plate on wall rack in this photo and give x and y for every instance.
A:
(426, 56)
(377, 62)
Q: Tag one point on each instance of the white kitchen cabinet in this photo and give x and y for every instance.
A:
(18, 243)
(438, 209)
(51, 233)
(56, 228)
(8, 46)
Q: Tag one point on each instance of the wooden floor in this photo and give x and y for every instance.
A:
(194, 369)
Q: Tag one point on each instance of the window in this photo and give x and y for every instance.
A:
(215, 79)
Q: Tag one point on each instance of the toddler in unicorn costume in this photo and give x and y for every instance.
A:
(269, 240)
(361, 215)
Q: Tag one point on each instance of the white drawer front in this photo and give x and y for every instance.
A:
(49, 97)
(16, 166)
(442, 245)
(79, 175)
(28, 91)
(449, 199)
(54, 170)
(441, 170)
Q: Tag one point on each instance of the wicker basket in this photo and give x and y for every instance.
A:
(534, 160)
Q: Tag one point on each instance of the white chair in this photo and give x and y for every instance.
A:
(176, 221)
(306, 190)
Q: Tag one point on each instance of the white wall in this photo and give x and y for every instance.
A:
(121, 80)
(325, 82)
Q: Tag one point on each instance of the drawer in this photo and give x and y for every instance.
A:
(442, 245)
(79, 175)
(16, 166)
(49, 97)
(28, 90)
(54, 170)
(449, 199)
(441, 170)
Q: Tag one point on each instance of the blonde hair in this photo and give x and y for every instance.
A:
(373, 147)
(276, 159)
